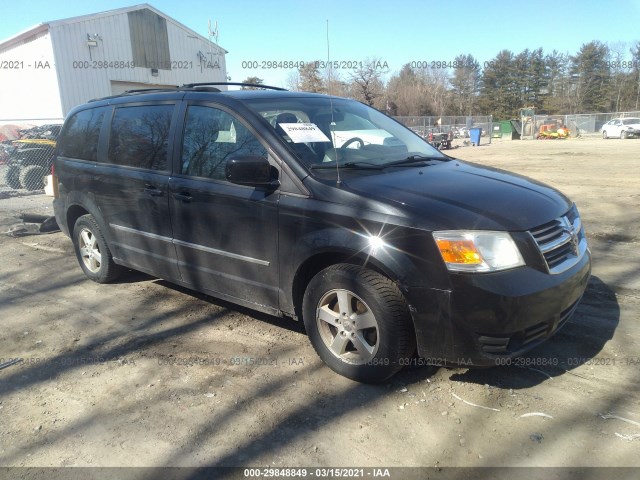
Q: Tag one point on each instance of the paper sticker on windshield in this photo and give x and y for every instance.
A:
(304, 132)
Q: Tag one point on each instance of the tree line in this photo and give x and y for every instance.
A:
(597, 78)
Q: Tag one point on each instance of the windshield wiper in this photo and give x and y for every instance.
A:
(362, 165)
(411, 160)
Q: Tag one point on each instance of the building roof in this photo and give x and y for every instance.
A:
(45, 26)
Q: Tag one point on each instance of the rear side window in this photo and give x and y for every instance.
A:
(79, 138)
(140, 136)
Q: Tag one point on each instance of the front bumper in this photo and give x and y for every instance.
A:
(633, 133)
(485, 318)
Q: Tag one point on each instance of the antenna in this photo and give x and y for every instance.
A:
(213, 33)
(328, 55)
(333, 123)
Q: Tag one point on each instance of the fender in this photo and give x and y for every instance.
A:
(86, 201)
(74, 177)
(317, 249)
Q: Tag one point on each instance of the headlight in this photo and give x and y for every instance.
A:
(478, 251)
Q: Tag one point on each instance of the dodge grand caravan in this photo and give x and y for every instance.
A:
(322, 209)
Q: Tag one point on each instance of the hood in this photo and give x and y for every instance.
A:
(457, 195)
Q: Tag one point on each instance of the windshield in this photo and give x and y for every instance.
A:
(321, 132)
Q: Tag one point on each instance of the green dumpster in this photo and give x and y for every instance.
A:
(506, 129)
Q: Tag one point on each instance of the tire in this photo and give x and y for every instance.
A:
(604, 134)
(32, 177)
(623, 135)
(12, 177)
(373, 334)
(93, 252)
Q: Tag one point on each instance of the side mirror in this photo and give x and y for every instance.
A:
(251, 170)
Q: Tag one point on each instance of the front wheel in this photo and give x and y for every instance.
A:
(358, 322)
(623, 135)
(32, 177)
(92, 251)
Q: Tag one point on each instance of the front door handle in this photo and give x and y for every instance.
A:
(152, 190)
(183, 196)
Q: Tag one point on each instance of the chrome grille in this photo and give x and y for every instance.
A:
(562, 241)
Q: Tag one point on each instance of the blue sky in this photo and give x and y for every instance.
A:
(395, 31)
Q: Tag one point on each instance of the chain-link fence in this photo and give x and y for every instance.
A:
(460, 126)
(527, 127)
(26, 155)
(578, 124)
(592, 122)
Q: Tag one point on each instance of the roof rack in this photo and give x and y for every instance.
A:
(136, 92)
(236, 84)
(190, 86)
(145, 90)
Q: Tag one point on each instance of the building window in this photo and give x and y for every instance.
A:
(149, 39)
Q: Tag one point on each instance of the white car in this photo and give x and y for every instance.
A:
(621, 128)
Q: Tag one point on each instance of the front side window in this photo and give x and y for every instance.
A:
(79, 139)
(211, 136)
(140, 136)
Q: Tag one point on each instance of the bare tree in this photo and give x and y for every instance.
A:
(635, 61)
(406, 93)
(366, 80)
(335, 84)
(619, 77)
(436, 88)
(293, 80)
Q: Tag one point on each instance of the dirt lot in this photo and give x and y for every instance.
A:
(143, 373)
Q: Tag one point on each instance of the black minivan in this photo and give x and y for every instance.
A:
(323, 209)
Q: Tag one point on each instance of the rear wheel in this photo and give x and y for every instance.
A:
(604, 134)
(358, 322)
(12, 177)
(92, 251)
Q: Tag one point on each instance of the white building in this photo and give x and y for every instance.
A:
(50, 68)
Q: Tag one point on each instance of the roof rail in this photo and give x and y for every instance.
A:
(137, 91)
(145, 90)
(236, 84)
(189, 86)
